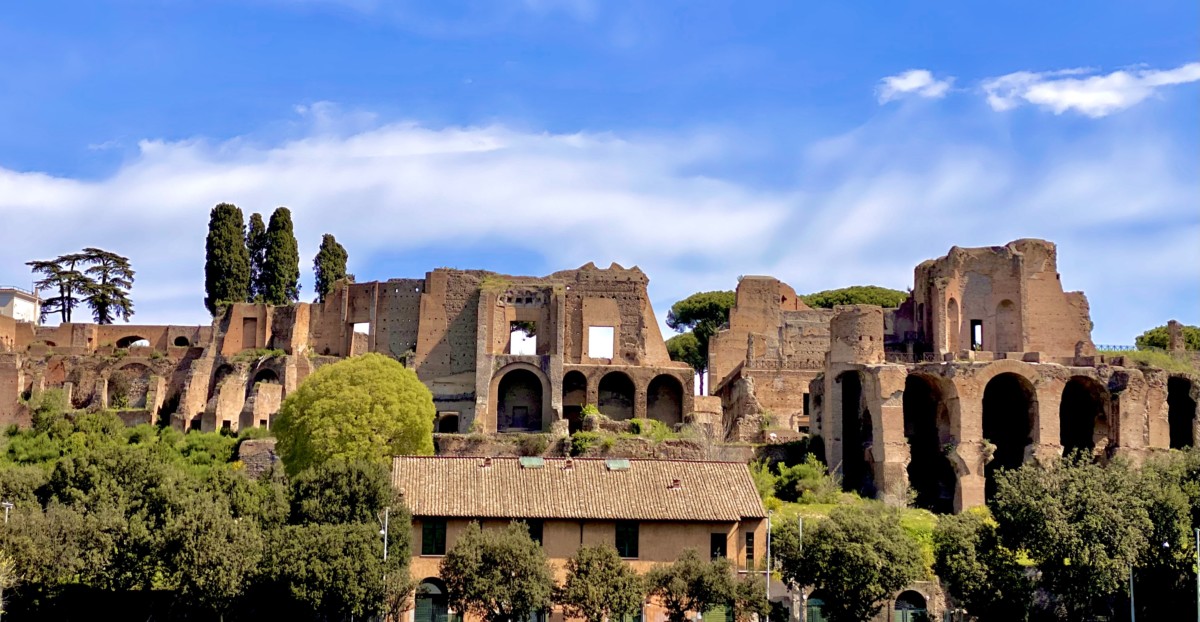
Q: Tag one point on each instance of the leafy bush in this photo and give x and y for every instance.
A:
(582, 441)
(51, 406)
(807, 482)
(533, 444)
(1158, 337)
(651, 428)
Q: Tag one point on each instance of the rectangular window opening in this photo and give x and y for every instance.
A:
(976, 335)
(226, 425)
(717, 545)
(750, 551)
(600, 342)
(522, 338)
(433, 537)
(627, 539)
(363, 328)
(535, 529)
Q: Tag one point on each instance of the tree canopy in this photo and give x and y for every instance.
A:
(599, 586)
(226, 260)
(281, 261)
(109, 279)
(256, 246)
(329, 265)
(498, 575)
(978, 571)
(1158, 337)
(856, 295)
(368, 407)
(692, 584)
(60, 275)
(702, 314)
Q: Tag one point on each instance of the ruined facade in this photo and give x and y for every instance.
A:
(589, 337)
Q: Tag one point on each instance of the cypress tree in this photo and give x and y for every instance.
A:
(256, 243)
(329, 265)
(226, 261)
(281, 261)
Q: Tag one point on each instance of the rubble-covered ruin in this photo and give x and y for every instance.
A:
(988, 364)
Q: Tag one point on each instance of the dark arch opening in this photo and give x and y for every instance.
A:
(133, 340)
(1181, 412)
(266, 375)
(664, 400)
(432, 603)
(1081, 417)
(519, 406)
(448, 424)
(927, 428)
(615, 396)
(815, 606)
(1009, 414)
(910, 607)
(182, 342)
(574, 398)
(858, 474)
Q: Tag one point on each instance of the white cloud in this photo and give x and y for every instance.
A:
(915, 83)
(1074, 89)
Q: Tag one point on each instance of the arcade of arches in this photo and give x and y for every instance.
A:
(522, 398)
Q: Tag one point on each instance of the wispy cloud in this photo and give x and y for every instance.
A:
(1080, 90)
(912, 83)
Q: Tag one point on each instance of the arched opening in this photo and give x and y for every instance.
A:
(133, 341)
(182, 342)
(1009, 418)
(1008, 334)
(615, 396)
(1081, 415)
(447, 423)
(927, 428)
(952, 325)
(815, 606)
(664, 400)
(1181, 412)
(573, 399)
(431, 602)
(858, 473)
(519, 402)
(910, 607)
(266, 375)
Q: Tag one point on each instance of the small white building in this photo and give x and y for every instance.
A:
(19, 304)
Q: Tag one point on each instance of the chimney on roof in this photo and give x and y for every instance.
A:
(675, 485)
(569, 463)
(487, 462)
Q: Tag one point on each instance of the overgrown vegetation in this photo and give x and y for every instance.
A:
(1159, 337)
(1155, 358)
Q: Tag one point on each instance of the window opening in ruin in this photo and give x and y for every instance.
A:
(573, 399)
(182, 342)
(976, 335)
(363, 328)
(226, 426)
(522, 338)
(927, 429)
(615, 396)
(133, 341)
(1008, 334)
(1181, 412)
(249, 333)
(447, 423)
(953, 329)
(262, 423)
(600, 342)
(664, 400)
(1081, 417)
(857, 438)
(266, 375)
(194, 424)
(1009, 418)
(519, 401)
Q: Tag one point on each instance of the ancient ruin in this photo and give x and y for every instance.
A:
(987, 365)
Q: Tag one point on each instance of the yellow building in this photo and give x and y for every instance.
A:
(649, 510)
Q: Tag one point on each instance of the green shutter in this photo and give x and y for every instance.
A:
(424, 610)
(716, 614)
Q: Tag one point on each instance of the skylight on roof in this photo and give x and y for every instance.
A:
(616, 464)
(532, 462)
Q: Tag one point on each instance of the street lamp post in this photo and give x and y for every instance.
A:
(7, 506)
(768, 572)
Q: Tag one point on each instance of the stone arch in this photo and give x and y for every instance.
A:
(182, 342)
(431, 603)
(927, 428)
(132, 340)
(858, 472)
(1009, 422)
(263, 375)
(1181, 411)
(1008, 330)
(616, 396)
(911, 606)
(664, 399)
(953, 327)
(574, 398)
(1083, 415)
(520, 398)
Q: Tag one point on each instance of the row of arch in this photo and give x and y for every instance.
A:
(1009, 422)
(522, 401)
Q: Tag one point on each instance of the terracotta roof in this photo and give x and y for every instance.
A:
(592, 488)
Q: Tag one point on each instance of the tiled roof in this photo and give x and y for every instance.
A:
(587, 489)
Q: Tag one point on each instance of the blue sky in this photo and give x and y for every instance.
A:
(828, 144)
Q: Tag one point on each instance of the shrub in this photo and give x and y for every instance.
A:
(582, 441)
(807, 482)
(533, 444)
(650, 428)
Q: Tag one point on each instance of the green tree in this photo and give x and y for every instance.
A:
(498, 575)
(978, 572)
(859, 555)
(226, 260)
(750, 600)
(109, 279)
(256, 245)
(213, 555)
(692, 584)
(1082, 523)
(685, 348)
(599, 586)
(8, 578)
(338, 492)
(329, 265)
(281, 261)
(1165, 576)
(1158, 337)
(702, 313)
(335, 571)
(62, 275)
(856, 295)
(369, 407)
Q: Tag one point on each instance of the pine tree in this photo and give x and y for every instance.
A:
(329, 265)
(110, 278)
(281, 262)
(60, 274)
(226, 260)
(256, 243)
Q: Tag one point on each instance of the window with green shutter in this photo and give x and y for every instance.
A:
(627, 539)
(433, 536)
